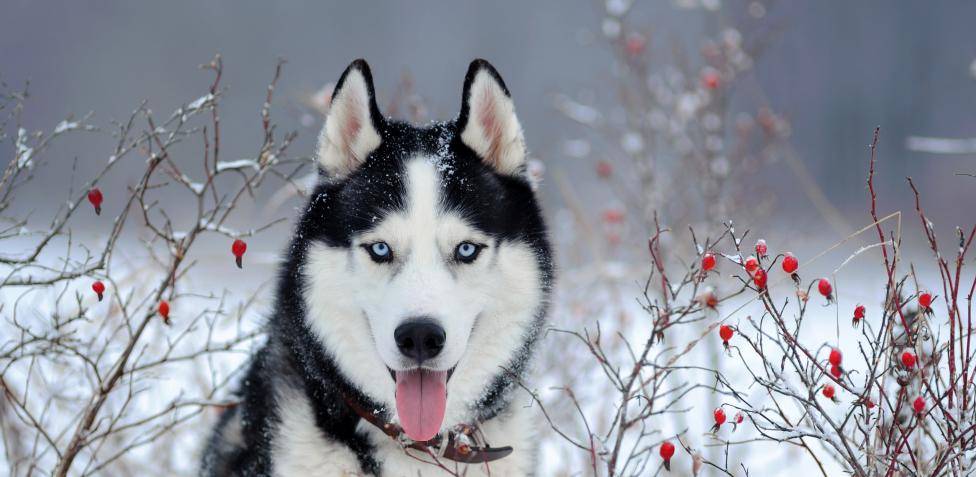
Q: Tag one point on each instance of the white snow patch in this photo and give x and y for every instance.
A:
(238, 164)
(632, 142)
(64, 126)
(576, 148)
(576, 111)
(200, 102)
(25, 153)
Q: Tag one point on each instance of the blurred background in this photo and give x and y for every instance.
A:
(831, 72)
(701, 111)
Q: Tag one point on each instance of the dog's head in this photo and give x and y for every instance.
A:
(427, 267)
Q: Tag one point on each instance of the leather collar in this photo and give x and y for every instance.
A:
(459, 446)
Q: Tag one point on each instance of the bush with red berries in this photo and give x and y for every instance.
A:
(898, 401)
(887, 393)
(107, 348)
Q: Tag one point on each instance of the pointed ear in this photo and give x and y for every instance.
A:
(487, 122)
(353, 123)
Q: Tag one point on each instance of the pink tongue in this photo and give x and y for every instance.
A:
(421, 397)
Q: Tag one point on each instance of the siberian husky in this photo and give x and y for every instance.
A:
(407, 305)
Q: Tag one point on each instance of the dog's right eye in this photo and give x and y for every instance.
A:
(379, 251)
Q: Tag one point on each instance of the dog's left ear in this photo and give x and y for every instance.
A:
(487, 122)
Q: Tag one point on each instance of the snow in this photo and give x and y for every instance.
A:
(578, 112)
(576, 148)
(720, 166)
(611, 27)
(688, 105)
(618, 8)
(196, 187)
(64, 126)
(938, 145)
(207, 225)
(238, 164)
(632, 142)
(25, 153)
(200, 102)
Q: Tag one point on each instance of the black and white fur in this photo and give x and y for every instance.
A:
(423, 191)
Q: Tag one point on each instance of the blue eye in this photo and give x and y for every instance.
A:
(379, 251)
(467, 252)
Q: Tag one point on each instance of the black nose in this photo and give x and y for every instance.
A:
(420, 339)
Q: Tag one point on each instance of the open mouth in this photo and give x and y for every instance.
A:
(421, 399)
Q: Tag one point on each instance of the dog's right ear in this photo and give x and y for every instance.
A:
(487, 123)
(352, 126)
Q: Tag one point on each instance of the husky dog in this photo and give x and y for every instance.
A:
(407, 305)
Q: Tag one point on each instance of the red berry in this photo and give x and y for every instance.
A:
(835, 371)
(919, 405)
(604, 169)
(835, 357)
(635, 44)
(164, 311)
(759, 278)
(751, 264)
(726, 332)
(708, 261)
(859, 312)
(711, 80)
(238, 248)
(99, 288)
(790, 263)
(613, 216)
(667, 451)
(925, 299)
(825, 287)
(738, 418)
(869, 403)
(908, 359)
(761, 248)
(719, 417)
(828, 391)
(95, 197)
(708, 299)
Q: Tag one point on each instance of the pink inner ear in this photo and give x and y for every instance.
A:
(350, 127)
(490, 126)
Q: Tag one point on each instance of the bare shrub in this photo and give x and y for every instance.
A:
(96, 385)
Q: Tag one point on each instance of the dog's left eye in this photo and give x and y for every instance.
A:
(467, 252)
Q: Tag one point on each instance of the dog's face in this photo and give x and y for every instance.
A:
(428, 267)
